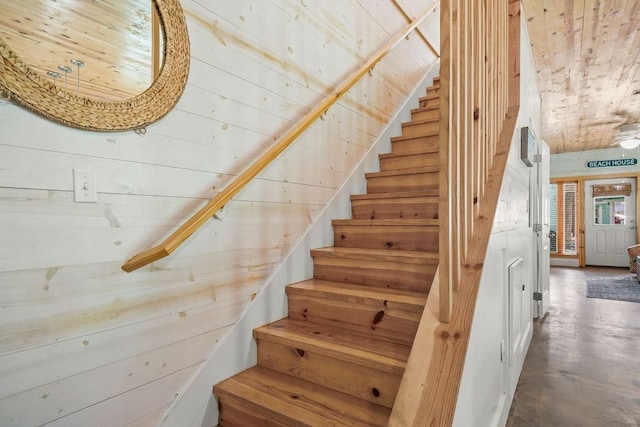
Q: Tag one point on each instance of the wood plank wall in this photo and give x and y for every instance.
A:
(82, 341)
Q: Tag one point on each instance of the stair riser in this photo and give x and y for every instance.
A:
(393, 323)
(418, 208)
(346, 377)
(238, 413)
(425, 115)
(410, 182)
(261, 400)
(430, 101)
(392, 237)
(415, 145)
(410, 161)
(388, 275)
(433, 89)
(419, 129)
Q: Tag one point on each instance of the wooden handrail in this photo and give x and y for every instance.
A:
(214, 205)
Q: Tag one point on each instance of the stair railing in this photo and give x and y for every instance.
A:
(479, 104)
(185, 231)
(480, 100)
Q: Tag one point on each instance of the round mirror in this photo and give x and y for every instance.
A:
(93, 66)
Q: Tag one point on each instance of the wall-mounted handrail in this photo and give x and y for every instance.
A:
(227, 193)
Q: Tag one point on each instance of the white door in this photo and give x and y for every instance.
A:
(610, 221)
(519, 313)
(542, 294)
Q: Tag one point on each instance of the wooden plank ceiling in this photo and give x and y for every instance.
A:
(587, 56)
(113, 38)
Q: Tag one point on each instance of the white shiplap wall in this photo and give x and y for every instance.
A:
(566, 165)
(81, 342)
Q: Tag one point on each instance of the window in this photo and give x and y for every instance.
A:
(609, 211)
(563, 218)
(609, 204)
(553, 222)
(570, 210)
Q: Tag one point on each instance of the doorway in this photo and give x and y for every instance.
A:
(610, 221)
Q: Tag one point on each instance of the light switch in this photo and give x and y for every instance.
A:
(84, 186)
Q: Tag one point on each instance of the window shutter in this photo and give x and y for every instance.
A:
(553, 218)
(570, 210)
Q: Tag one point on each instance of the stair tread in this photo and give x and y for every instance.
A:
(430, 95)
(395, 195)
(391, 297)
(407, 138)
(404, 256)
(427, 108)
(364, 350)
(420, 122)
(413, 153)
(408, 171)
(281, 397)
(386, 222)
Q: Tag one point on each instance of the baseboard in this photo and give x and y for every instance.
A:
(564, 262)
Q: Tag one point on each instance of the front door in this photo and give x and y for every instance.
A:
(610, 221)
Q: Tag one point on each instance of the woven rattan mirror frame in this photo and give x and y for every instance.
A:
(25, 87)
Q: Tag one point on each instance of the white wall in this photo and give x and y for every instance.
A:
(574, 164)
(488, 383)
(83, 343)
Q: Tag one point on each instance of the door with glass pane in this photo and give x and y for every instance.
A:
(610, 221)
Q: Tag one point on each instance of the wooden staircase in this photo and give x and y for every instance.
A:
(339, 357)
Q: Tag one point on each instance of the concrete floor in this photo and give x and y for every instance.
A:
(583, 365)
